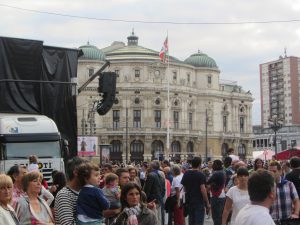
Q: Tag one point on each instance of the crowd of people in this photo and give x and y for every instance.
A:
(229, 191)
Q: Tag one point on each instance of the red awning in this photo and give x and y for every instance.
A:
(287, 154)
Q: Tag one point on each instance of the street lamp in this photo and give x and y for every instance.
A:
(206, 125)
(275, 124)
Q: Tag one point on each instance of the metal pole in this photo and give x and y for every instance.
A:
(83, 123)
(168, 111)
(126, 133)
(275, 140)
(206, 124)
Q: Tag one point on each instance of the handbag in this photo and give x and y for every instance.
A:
(184, 205)
(170, 203)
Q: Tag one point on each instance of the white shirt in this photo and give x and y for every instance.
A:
(176, 183)
(254, 215)
(239, 198)
(46, 195)
(234, 157)
(6, 217)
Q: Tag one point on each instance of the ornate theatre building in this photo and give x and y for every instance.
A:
(207, 115)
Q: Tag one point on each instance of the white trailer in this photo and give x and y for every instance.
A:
(22, 135)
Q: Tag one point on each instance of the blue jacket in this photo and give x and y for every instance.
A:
(91, 202)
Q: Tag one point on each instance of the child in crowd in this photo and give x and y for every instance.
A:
(111, 190)
(91, 201)
(33, 163)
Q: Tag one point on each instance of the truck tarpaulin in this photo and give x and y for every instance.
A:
(37, 79)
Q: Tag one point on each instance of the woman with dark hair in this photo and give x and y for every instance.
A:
(16, 173)
(33, 163)
(134, 175)
(134, 212)
(59, 181)
(237, 196)
(258, 164)
(217, 184)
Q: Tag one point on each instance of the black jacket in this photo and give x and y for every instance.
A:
(155, 187)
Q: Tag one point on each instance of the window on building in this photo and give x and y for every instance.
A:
(116, 146)
(176, 119)
(91, 72)
(137, 73)
(254, 143)
(136, 118)
(284, 144)
(157, 118)
(293, 143)
(261, 143)
(190, 121)
(175, 147)
(174, 75)
(136, 147)
(224, 123)
(188, 78)
(242, 151)
(117, 73)
(265, 142)
(209, 79)
(116, 119)
(242, 124)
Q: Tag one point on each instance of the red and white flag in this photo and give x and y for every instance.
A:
(163, 54)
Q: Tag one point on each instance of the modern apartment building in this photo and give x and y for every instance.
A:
(279, 83)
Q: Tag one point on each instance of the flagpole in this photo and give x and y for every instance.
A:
(168, 113)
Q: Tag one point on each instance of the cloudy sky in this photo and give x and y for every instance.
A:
(238, 48)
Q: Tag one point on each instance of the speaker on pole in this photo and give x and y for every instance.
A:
(107, 87)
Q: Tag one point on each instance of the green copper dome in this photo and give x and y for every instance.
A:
(201, 60)
(92, 52)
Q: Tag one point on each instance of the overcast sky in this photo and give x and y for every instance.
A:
(238, 49)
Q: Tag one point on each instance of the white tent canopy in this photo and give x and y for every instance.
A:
(264, 155)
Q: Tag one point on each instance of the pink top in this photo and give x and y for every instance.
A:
(17, 194)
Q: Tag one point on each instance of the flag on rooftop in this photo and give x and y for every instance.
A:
(164, 52)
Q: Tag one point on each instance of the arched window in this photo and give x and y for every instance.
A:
(116, 151)
(175, 151)
(190, 146)
(157, 150)
(116, 146)
(175, 147)
(137, 146)
(224, 149)
(190, 150)
(137, 151)
(242, 151)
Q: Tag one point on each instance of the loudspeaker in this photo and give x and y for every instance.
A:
(107, 86)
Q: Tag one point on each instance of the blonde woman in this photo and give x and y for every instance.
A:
(32, 209)
(7, 213)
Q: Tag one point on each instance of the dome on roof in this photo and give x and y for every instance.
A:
(91, 52)
(201, 60)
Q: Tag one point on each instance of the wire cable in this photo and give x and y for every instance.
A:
(152, 22)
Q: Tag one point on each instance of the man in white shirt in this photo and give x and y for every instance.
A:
(231, 154)
(261, 188)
